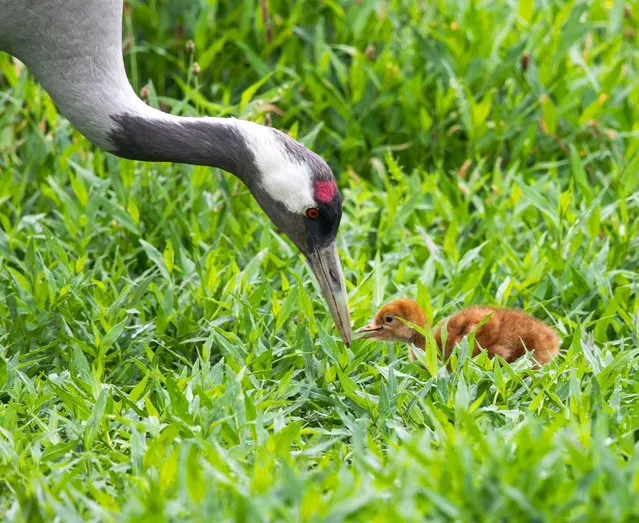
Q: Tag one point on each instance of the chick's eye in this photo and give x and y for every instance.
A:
(313, 213)
(389, 319)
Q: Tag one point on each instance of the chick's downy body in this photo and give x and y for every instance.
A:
(508, 333)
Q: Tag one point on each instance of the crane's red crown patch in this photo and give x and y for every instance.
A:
(324, 191)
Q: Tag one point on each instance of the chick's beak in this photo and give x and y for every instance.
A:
(326, 266)
(371, 330)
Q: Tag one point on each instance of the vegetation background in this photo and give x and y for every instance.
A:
(165, 354)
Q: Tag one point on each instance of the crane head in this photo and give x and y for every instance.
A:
(297, 190)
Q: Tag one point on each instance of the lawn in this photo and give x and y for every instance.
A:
(166, 354)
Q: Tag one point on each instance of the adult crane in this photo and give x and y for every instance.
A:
(74, 49)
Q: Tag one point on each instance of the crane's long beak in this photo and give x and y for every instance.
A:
(328, 271)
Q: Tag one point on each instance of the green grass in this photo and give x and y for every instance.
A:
(164, 353)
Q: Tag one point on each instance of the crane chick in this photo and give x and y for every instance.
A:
(508, 333)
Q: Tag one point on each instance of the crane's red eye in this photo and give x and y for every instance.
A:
(313, 213)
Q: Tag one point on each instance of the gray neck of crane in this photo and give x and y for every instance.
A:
(215, 142)
(77, 57)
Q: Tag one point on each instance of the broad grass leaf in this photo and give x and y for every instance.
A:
(95, 419)
(525, 10)
(157, 258)
(169, 256)
(138, 390)
(112, 336)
